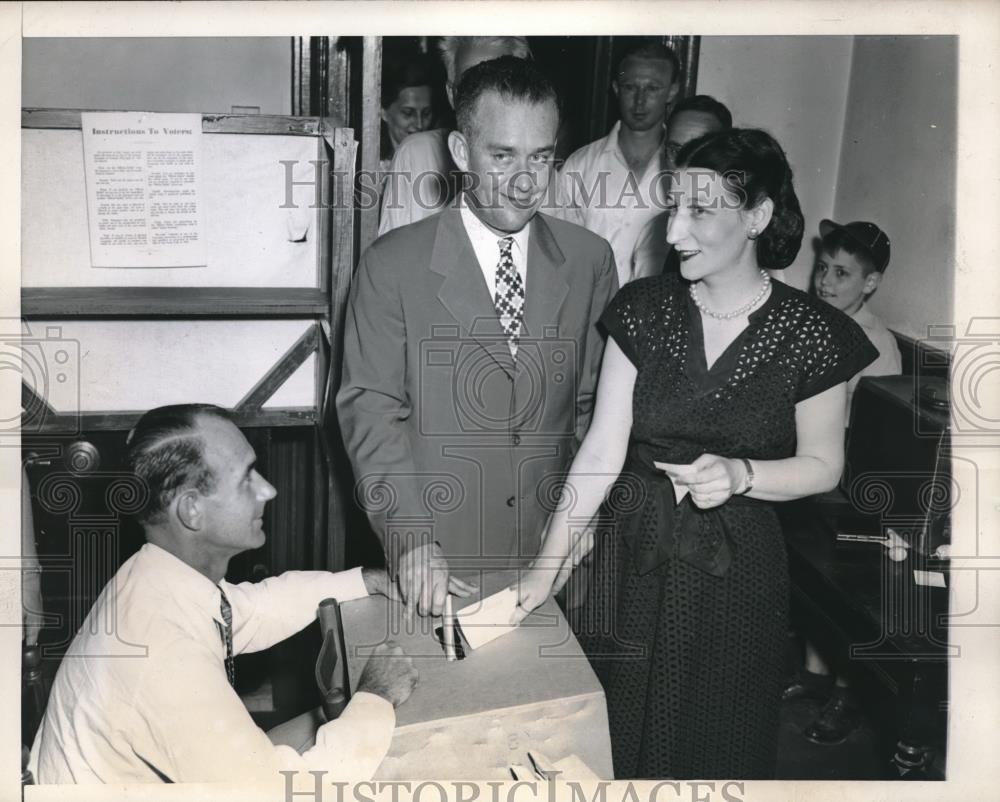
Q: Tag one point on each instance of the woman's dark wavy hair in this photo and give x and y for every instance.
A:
(754, 166)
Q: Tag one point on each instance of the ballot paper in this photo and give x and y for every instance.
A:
(571, 767)
(933, 579)
(488, 619)
(677, 473)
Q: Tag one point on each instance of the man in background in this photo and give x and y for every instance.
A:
(608, 186)
(421, 175)
(146, 691)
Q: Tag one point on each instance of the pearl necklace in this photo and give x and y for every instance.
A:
(736, 313)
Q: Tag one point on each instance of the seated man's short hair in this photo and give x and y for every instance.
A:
(166, 453)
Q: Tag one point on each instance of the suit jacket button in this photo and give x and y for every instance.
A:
(516, 439)
(510, 501)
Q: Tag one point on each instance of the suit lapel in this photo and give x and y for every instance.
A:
(463, 292)
(544, 295)
(547, 286)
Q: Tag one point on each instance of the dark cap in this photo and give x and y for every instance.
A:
(867, 235)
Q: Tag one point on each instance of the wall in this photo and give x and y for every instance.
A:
(897, 168)
(168, 74)
(794, 87)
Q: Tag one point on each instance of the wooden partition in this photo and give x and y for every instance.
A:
(256, 330)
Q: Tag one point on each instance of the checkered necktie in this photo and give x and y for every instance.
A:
(226, 633)
(509, 298)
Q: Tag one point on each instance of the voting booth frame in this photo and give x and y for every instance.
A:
(74, 455)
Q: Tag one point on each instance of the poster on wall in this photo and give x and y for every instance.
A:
(144, 201)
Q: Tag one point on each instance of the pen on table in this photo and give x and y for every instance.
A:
(448, 627)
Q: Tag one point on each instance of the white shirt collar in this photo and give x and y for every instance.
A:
(863, 317)
(611, 140)
(486, 245)
(181, 580)
(612, 146)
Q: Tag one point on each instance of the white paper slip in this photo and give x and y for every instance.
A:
(489, 619)
(934, 579)
(674, 473)
(573, 768)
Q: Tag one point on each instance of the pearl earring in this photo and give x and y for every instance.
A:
(753, 233)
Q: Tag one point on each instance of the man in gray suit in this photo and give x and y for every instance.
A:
(471, 350)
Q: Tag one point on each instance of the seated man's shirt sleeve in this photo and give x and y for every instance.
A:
(267, 612)
(192, 727)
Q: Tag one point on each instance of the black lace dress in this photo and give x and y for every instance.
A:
(685, 621)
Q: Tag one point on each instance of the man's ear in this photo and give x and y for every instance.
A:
(675, 87)
(458, 145)
(189, 509)
(383, 115)
(614, 86)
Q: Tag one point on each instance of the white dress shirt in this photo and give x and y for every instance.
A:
(651, 247)
(889, 362)
(619, 212)
(142, 694)
(414, 186)
(486, 245)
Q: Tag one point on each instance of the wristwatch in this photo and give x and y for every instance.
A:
(750, 477)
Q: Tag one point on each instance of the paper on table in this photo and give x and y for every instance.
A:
(489, 619)
(675, 472)
(572, 767)
(934, 579)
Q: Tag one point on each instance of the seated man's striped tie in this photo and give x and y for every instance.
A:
(226, 633)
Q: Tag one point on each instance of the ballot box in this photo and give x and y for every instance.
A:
(531, 690)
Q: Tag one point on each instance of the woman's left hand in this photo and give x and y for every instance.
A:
(533, 587)
(714, 480)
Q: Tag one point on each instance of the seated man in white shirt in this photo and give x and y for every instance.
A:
(145, 692)
(610, 186)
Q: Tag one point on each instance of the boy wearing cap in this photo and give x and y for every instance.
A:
(851, 263)
(852, 259)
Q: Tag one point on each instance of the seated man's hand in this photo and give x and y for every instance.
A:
(425, 580)
(389, 673)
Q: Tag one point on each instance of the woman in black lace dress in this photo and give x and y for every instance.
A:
(721, 392)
